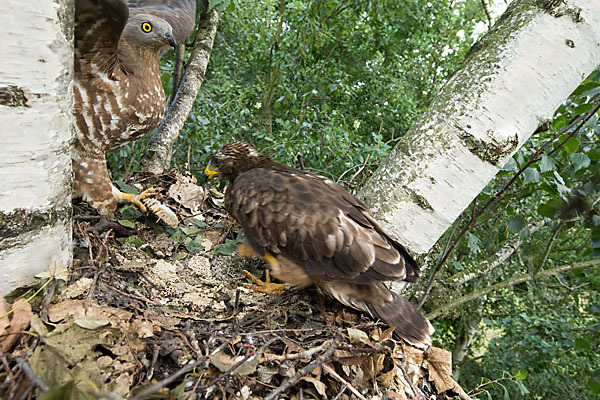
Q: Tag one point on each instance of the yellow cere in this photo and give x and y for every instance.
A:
(210, 172)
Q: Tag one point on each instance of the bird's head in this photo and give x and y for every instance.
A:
(149, 31)
(232, 160)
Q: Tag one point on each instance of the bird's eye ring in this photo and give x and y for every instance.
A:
(146, 27)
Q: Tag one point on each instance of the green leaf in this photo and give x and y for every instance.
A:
(130, 212)
(547, 163)
(134, 239)
(126, 223)
(180, 255)
(580, 160)
(531, 175)
(189, 230)
(193, 245)
(594, 386)
(199, 223)
(126, 188)
(581, 343)
(550, 208)
(473, 243)
(516, 224)
(594, 154)
(572, 145)
(511, 165)
(582, 109)
(506, 395)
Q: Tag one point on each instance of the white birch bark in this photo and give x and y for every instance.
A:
(536, 54)
(35, 132)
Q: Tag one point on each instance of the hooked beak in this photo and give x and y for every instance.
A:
(170, 39)
(211, 174)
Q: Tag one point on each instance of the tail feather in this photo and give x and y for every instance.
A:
(408, 322)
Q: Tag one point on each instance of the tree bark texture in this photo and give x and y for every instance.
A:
(536, 54)
(36, 74)
(159, 150)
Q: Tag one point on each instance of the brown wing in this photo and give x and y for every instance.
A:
(317, 224)
(98, 27)
(180, 14)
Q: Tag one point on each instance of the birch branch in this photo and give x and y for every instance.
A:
(501, 256)
(159, 150)
(502, 285)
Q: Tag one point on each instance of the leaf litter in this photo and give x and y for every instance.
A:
(152, 311)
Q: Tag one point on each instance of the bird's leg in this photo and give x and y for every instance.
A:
(136, 199)
(267, 286)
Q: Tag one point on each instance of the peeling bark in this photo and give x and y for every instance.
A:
(159, 150)
(512, 82)
(36, 121)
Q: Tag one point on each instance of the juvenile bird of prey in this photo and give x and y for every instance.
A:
(118, 93)
(311, 231)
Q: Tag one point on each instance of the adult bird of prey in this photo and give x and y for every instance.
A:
(311, 231)
(118, 93)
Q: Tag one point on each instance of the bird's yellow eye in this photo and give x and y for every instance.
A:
(146, 27)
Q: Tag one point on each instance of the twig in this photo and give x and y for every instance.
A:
(164, 382)
(549, 246)
(155, 352)
(133, 296)
(287, 383)
(46, 303)
(360, 169)
(332, 372)
(296, 356)
(512, 282)
(6, 366)
(300, 161)
(31, 375)
(445, 255)
(407, 379)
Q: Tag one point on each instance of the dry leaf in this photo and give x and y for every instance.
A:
(58, 271)
(320, 386)
(21, 318)
(440, 369)
(188, 195)
(358, 337)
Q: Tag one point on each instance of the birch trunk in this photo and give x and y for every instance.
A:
(36, 73)
(536, 54)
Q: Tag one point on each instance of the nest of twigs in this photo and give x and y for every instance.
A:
(152, 311)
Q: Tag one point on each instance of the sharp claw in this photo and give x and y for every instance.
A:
(266, 287)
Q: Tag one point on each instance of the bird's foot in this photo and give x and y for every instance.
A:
(136, 199)
(267, 287)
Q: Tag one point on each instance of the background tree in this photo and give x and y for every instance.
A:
(35, 119)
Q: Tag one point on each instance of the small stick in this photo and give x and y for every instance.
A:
(155, 351)
(332, 372)
(46, 303)
(287, 383)
(300, 160)
(6, 366)
(133, 296)
(31, 375)
(161, 384)
(360, 169)
(412, 386)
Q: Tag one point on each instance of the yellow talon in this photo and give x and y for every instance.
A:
(136, 199)
(267, 287)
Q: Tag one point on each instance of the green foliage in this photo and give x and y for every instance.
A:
(341, 82)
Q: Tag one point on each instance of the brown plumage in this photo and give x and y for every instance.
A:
(118, 94)
(314, 232)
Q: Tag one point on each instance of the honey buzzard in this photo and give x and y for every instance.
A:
(118, 93)
(311, 231)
